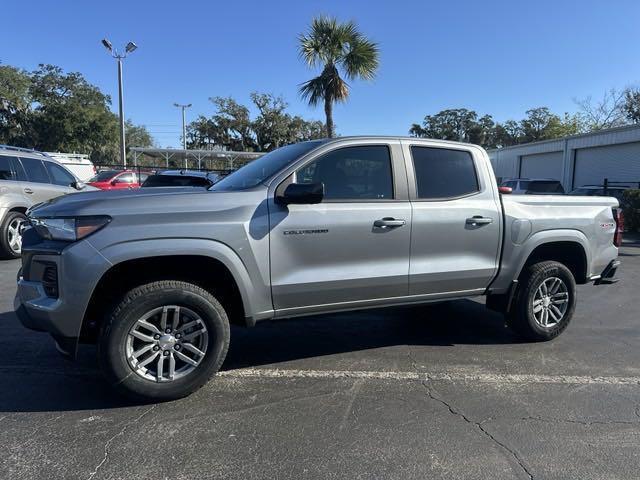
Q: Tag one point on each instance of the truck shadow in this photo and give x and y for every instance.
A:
(37, 379)
(462, 322)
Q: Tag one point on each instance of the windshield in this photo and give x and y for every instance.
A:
(261, 169)
(104, 176)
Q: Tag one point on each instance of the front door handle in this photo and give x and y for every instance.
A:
(389, 222)
(28, 190)
(478, 220)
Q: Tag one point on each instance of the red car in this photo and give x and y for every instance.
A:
(117, 179)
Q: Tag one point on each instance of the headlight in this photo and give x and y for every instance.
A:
(68, 229)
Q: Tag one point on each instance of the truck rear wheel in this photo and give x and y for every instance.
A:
(163, 341)
(544, 302)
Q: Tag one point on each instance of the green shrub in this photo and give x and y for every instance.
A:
(631, 209)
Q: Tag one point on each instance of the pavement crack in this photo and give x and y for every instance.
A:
(121, 432)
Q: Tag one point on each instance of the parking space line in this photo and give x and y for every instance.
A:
(451, 376)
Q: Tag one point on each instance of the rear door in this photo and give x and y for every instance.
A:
(37, 187)
(336, 253)
(456, 225)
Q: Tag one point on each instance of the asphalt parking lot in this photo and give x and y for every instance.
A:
(441, 391)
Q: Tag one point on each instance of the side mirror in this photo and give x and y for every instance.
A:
(114, 181)
(302, 193)
(505, 190)
(78, 185)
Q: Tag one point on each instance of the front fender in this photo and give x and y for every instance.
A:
(256, 298)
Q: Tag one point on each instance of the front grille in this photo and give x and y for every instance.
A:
(50, 280)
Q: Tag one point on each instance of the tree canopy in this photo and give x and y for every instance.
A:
(50, 110)
(336, 47)
(231, 126)
(616, 108)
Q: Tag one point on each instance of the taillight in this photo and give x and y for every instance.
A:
(619, 218)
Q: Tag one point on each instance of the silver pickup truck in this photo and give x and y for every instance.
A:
(155, 276)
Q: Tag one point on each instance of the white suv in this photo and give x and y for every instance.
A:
(27, 177)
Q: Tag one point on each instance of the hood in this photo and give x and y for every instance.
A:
(142, 201)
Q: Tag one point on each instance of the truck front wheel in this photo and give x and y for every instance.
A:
(163, 341)
(544, 303)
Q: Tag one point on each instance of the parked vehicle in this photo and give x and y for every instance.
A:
(534, 186)
(78, 164)
(181, 178)
(117, 179)
(155, 276)
(597, 190)
(27, 177)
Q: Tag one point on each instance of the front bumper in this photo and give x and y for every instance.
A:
(78, 269)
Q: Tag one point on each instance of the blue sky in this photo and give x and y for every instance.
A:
(497, 57)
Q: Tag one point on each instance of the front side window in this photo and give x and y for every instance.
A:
(59, 176)
(125, 178)
(35, 170)
(352, 173)
(443, 173)
(6, 172)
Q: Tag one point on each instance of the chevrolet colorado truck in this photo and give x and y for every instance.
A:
(155, 276)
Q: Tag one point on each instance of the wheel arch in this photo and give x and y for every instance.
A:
(211, 266)
(570, 252)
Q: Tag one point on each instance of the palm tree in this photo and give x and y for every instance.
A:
(335, 46)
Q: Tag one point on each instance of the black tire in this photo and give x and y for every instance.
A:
(5, 249)
(112, 353)
(521, 317)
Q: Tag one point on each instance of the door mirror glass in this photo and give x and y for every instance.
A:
(302, 193)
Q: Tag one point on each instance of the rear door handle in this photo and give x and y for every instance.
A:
(28, 190)
(389, 222)
(479, 220)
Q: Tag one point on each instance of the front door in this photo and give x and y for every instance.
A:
(455, 237)
(352, 247)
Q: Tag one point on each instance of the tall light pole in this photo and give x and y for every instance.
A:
(129, 48)
(184, 128)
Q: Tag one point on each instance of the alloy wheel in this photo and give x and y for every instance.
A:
(167, 343)
(14, 238)
(550, 302)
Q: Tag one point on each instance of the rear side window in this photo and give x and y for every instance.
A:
(352, 173)
(59, 176)
(545, 187)
(443, 173)
(18, 169)
(35, 170)
(6, 172)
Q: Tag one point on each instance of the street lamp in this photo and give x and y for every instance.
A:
(129, 48)
(184, 129)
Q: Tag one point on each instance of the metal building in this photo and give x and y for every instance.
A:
(577, 160)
